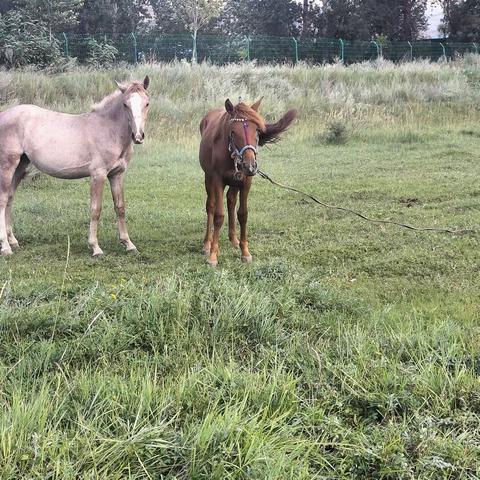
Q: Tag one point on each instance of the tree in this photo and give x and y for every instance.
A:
(5, 6)
(57, 15)
(193, 15)
(461, 21)
(114, 16)
(166, 19)
(343, 19)
(367, 19)
(412, 19)
(262, 17)
(26, 41)
(311, 12)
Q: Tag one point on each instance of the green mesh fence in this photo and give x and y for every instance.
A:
(220, 50)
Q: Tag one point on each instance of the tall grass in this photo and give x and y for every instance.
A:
(369, 94)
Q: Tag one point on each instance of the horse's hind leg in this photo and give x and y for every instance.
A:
(19, 174)
(96, 192)
(116, 184)
(8, 165)
(232, 194)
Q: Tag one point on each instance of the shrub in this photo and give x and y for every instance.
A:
(335, 133)
(26, 42)
(100, 54)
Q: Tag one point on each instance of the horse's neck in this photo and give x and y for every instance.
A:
(114, 118)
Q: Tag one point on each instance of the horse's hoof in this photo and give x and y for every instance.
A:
(6, 252)
(247, 259)
(133, 251)
(14, 245)
(212, 263)
(97, 255)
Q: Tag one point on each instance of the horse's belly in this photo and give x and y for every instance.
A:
(59, 158)
(60, 164)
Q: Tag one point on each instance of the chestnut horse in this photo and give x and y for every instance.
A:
(228, 156)
(96, 145)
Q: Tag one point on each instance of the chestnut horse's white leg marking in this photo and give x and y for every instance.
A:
(116, 184)
(96, 193)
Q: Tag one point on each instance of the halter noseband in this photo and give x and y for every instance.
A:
(237, 155)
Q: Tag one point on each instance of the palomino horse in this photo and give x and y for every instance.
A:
(228, 156)
(96, 145)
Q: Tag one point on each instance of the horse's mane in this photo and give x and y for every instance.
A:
(243, 111)
(109, 100)
(269, 132)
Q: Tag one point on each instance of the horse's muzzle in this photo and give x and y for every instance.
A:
(138, 138)
(250, 170)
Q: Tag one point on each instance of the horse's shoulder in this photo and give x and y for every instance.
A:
(211, 120)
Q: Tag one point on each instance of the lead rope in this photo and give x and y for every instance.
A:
(364, 217)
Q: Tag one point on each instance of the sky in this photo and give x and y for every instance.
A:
(435, 15)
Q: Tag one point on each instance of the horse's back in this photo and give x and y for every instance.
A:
(51, 140)
(208, 129)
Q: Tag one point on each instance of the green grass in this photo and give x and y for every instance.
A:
(345, 350)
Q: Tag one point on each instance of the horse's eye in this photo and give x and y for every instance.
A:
(148, 104)
(125, 105)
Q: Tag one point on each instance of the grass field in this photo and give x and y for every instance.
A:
(346, 350)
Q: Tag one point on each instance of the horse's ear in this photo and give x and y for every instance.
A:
(229, 106)
(256, 105)
(146, 82)
(121, 87)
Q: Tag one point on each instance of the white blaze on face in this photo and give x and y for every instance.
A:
(136, 106)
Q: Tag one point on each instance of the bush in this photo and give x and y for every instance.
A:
(26, 42)
(335, 133)
(100, 54)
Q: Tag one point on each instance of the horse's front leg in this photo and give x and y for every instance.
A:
(97, 183)
(232, 221)
(242, 218)
(209, 208)
(116, 185)
(218, 217)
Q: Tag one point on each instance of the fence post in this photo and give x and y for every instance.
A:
(248, 48)
(475, 47)
(295, 44)
(342, 50)
(411, 51)
(378, 48)
(444, 51)
(66, 44)
(135, 53)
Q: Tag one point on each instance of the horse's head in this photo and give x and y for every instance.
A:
(136, 102)
(247, 130)
(244, 128)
